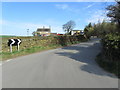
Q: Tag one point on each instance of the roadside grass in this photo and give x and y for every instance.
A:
(9, 55)
(14, 54)
(107, 65)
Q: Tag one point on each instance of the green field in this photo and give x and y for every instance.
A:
(4, 36)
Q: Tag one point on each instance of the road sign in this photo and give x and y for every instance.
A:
(14, 42)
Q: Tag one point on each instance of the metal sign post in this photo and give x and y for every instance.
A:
(19, 41)
(18, 47)
(10, 47)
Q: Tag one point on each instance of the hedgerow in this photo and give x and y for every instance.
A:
(111, 46)
(109, 58)
(29, 42)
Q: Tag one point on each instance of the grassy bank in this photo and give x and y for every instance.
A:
(107, 65)
(9, 55)
(109, 58)
(36, 44)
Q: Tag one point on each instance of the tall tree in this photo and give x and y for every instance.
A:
(114, 13)
(69, 26)
(88, 30)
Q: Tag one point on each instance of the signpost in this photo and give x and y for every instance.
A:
(14, 42)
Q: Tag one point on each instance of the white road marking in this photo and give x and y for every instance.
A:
(0, 63)
(8, 60)
(83, 63)
(68, 51)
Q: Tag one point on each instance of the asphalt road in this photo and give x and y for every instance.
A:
(68, 67)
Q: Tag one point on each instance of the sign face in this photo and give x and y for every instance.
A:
(14, 42)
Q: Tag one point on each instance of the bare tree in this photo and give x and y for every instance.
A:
(34, 33)
(69, 26)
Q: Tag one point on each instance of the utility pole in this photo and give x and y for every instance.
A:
(27, 32)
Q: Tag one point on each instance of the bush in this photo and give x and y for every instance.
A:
(109, 58)
(68, 39)
(111, 46)
(106, 64)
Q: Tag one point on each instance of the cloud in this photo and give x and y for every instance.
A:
(62, 6)
(90, 6)
(99, 15)
(67, 8)
(0, 22)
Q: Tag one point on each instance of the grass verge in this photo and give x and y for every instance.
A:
(9, 55)
(107, 65)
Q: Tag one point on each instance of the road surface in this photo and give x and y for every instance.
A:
(68, 67)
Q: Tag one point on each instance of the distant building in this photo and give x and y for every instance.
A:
(53, 34)
(59, 34)
(43, 31)
(77, 32)
(56, 34)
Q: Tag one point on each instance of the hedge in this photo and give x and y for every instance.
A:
(111, 46)
(109, 58)
(28, 42)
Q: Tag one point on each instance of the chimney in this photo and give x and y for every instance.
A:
(50, 28)
(43, 27)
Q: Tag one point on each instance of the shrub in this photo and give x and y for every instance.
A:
(109, 58)
(111, 46)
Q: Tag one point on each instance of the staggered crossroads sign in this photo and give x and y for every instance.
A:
(14, 42)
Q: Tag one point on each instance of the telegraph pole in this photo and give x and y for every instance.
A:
(27, 32)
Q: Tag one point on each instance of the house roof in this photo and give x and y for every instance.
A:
(53, 33)
(76, 30)
(43, 29)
